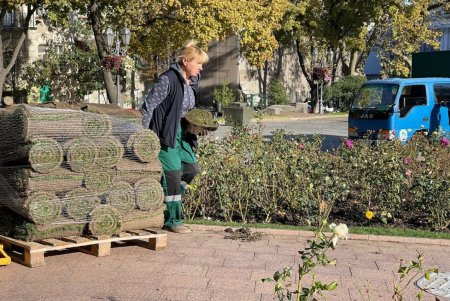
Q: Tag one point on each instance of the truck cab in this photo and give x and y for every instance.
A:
(397, 108)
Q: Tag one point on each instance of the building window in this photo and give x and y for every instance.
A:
(42, 49)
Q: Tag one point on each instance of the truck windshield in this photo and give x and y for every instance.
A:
(378, 97)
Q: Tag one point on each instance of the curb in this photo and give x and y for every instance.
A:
(301, 233)
(299, 118)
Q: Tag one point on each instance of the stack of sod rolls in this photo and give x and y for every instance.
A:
(67, 172)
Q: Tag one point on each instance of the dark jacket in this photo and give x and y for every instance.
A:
(165, 118)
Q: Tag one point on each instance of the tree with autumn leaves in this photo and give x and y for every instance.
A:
(160, 27)
(350, 28)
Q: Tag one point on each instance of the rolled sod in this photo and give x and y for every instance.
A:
(132, 171)
(105, 220)
(24, 180)
(80, 154)
(29, 122)
(96, 125)
(109, 151)
(121, 197)
(78, 203)
(28, 231)
(45, 155)
(137, 219)
(149, 194)
(43, 207)
(98, 181)
(144, 145)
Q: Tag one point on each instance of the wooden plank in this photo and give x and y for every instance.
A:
(155, 242)
(55, 242)
(137, 232)
(155, 231)
(75, 239)
(34, 260)
(99, 237)
(124, 234)
(32, 253)
(23, 244)
(99, 249)
(158, 243)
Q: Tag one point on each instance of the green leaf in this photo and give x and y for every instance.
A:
(267, 280)
(332, 286)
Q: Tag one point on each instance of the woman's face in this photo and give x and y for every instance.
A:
(192, 67)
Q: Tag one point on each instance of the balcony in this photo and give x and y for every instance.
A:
(16, 20)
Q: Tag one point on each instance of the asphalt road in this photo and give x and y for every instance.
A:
(332, 128)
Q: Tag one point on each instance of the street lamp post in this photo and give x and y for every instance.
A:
(319, 90)
(324, 75)
(125, 37)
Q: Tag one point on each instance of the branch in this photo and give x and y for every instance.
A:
(152, 21)
(437, 5)
(302, 62)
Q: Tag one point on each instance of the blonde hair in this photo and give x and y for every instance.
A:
(191, 51)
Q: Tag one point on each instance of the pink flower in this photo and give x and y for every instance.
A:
(444, 141)
(348, 143)
(406, 160)
(301, 146)
(408, 173)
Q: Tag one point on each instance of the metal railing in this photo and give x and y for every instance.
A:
(13, 20)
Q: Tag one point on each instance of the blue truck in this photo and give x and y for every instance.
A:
(397, 108)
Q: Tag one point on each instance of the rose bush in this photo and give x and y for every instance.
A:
(247, 177)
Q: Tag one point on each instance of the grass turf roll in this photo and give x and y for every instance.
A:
(137, 219)
(105, 220)
(80, 154)
(96, 125)
(144, 145)
(121, 197)
(132, 171)
(149, 194)
(78, 203)
(45, 155)
(109, 151)
(43, 207)
(98, 181)
(28, 122)
(28, 231)
(25, 181)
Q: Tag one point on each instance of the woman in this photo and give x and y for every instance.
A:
(170, 98)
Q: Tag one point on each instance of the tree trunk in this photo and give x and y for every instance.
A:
(353, 63)
(133, 89)
(280, 53)
(306, 74)
(94, 16)
(262, 80)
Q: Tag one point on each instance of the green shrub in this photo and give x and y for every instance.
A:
(277, 93)
(223, 94)
(344, 91)
(248, 178)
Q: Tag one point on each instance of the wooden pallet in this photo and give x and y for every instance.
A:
(32, 253)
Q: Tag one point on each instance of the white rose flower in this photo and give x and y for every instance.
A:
(340, 231)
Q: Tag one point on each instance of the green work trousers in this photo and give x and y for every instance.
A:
(179, 166)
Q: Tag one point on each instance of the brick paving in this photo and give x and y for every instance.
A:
(205, 266)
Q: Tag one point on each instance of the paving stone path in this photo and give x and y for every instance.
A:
(205, 266)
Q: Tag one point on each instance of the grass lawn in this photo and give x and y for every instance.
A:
(375, 230)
